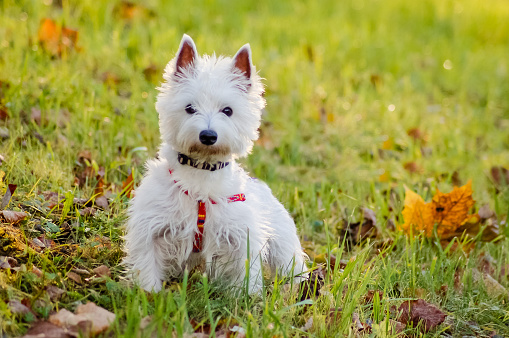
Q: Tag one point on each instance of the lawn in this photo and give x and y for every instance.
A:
(366, 101)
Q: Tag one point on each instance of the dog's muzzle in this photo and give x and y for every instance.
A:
(208, 137)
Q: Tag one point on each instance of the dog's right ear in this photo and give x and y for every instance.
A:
(186, 55)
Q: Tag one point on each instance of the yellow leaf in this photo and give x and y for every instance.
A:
(450, 211)
(417, 214)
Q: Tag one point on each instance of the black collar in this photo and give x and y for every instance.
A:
(186, 160)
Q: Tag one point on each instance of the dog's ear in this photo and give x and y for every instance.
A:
(186, 55)
(242, 60)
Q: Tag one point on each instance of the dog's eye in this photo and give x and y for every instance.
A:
(227, 111)
(190, 109)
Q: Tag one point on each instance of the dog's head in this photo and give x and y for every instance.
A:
(210, 107)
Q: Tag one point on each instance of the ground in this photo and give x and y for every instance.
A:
(366, 101)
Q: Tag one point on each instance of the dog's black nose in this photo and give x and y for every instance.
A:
(208, 137)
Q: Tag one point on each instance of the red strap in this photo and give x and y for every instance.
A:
(202, 215)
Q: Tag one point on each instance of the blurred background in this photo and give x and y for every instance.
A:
(363, 97)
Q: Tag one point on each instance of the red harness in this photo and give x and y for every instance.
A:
(202, 215)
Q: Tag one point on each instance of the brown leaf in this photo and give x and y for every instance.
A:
(88, 211)
(100, 317)
(55, 39)
(127, 185)
(36, 115)
(4, 115)
(13, 217)
(102, 271)
(74, 277)
(54, 292)
(311, 288)
(416, 134)
(7, 262)
(8, 194)
(412, 167)
(102, 201)
(17, 307)
(368, 297)
(37, 271)
(500, 176)
(43, 329)
(415, 311)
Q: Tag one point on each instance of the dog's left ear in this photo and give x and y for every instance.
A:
(242, 60)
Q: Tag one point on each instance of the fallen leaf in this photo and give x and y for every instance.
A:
(416, 134)
(310, 288)
(102, 271)
(127, 186)
(100, 317)
(308, 325)
(37, 271)
(417, 215)
(55, 39)
(43, 329)
(8, 194)
(415, 311)
(74, 277)
(17, 307)
(54, 292)
(500, 176)
(102, 201)
(4, 115)
(447, 211)
(13, 217)
(88, 211)
(412, 167)
(81, 271)
(36, 115)
(493, 287)
(450, 210)
(7, 262)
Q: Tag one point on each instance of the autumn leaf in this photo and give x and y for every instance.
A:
(128, 185)
(450, 211)
(417, 214)
(415, 311)
(55, 39)
(447, 212)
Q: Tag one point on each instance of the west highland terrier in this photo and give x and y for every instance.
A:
(196, 206)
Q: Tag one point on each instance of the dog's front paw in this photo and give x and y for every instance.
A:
(152, 285)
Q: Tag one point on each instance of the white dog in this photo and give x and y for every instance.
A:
(196, 204)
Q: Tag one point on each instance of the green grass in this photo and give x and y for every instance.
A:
(345, 82)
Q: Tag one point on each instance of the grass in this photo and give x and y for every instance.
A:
(345, 81)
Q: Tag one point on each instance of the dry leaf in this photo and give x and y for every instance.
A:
(54, 292)
(447, 211)
(415, 311)
(450, 211)
(8, 194)
(310, 288)
(127, 185)
(13, 217)
(17, 307)
(36, 115)
(102, 271)
(43, 329)
(100, 317)
(417, 214)
(7, 262)
(74, 277)
(55, 39)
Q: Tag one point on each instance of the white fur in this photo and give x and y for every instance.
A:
(162, 218)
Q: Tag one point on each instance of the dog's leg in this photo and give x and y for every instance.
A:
(145, 260)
